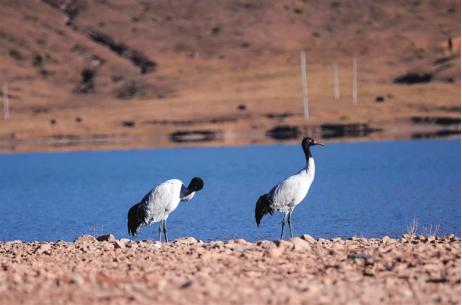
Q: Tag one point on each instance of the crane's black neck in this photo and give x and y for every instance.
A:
(308, 154)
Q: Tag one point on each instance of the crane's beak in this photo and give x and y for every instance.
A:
(317, 143)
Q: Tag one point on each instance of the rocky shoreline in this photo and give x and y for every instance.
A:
(303, 270)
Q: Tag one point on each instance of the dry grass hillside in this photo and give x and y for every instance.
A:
(118, 73)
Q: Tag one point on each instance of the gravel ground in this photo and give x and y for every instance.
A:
(409, 270)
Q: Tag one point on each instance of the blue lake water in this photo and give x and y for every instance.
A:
(366, 189)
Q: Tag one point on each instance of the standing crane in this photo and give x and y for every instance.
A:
(285, 196)
(157, 205)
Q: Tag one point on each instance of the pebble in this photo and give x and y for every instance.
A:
(85, 239)
(274, 252)
(44, 249)
(106, 237)
(284, 244)
(118, 244)
(265, 244)
(308, 238)
(185, 241)
(299, 244)
(216, 244)
(76, 279)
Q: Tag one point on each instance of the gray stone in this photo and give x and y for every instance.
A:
(308, 238)
(265, 244)
(44, 249)
(106, 237)
(118, 244)
(299, 244)
(284, 244)
(85, 239)
(125, 240)
(185, 241)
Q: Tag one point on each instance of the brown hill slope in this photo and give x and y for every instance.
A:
(91, 70)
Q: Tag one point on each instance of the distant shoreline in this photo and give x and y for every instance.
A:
(126, 142)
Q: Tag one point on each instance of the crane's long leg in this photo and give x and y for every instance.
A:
(165, 230)
(289, 221)
(160, 230)
(283, 222)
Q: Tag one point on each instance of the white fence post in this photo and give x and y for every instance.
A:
(336, 83)
(6, 102)
(355, 81)
(305, 85)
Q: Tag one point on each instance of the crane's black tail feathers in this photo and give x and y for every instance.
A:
(135, 220)
(262, 208)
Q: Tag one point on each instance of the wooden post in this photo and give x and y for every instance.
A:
(305, 85)
(336, 83)
(355, 81)
(6, 102)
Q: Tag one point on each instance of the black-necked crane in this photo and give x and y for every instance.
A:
(285, 196)
(157, 205)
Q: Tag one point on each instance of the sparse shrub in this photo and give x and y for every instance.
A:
(117, 78)
(130, 90)
(78, 48)
(298, 10)
(216, 30)
(413, 78)
(428, 231)
(335, 4)
(86, 85)
(37, 60)
(431, 230)
(128, 124)
(36, 110)
(249, 5)
(15, 54)
(40, 41)
(412, 227)
(145, 8)
(87, 75)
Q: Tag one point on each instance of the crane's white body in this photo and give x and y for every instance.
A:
(157, 205)
(285, 196)
(164, 199)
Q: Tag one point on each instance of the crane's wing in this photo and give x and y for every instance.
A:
(162, 200)
(290, 191)
(155, 205)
